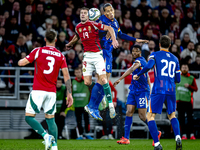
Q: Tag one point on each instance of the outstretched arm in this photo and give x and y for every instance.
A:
(23, 62)
(129, 38)
(72, 42)
(112, 34)
(68, 86)
(128, 72)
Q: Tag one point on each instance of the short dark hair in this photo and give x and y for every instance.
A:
(84, 8)
(78, 68)
(50, 35)
(184, 64)
(59, 79)
(165, 41)
(106, 5)
(137, 46)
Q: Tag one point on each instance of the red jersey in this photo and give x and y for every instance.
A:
(48, 61)
(89, 35)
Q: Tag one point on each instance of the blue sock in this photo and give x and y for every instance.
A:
(145, 122)
(153, 130)
(94, 96)
(175, 126)
(127, 126)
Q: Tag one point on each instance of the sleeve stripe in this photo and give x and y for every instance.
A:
(102, 26)
(118, 29)
(178, 71)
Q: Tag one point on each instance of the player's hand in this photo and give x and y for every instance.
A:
(115, 104)
(108, 35)
(69, 101)
(135, 77)
(68, 46)
(116, 82)
(142, 41)
(115, 43)
(186, 85)
(63, 114)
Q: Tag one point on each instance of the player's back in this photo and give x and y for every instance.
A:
(142, 83)
(48, 61)
(166, 65)
(89, 34)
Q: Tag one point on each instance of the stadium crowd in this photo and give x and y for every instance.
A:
(23, 24)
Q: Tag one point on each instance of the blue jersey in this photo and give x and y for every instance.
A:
(142, 83)
(165, 68)
(102, 34)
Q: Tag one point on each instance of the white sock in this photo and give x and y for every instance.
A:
(46, 135)
(177, 137)
(192, 134)
(184, 135)
(156, 144)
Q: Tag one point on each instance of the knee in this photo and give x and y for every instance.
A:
(129, 113)
(142, 116)
(171, 116)
(104, 80)
(87, 83)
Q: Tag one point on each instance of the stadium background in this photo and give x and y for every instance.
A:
(23, 24)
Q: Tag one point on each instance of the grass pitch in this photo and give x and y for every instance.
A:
(168, 144)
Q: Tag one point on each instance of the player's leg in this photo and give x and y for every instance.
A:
(155, 106)
(171, 108)
(78, 114)
(49, 106)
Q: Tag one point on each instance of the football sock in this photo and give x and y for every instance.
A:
(145, 122)
(127, 126)
(99, 96)
(94, 95)
(153, 130)
(175, 126)
(107, 92)
(52, 128)
(35, 125)
(91, 86)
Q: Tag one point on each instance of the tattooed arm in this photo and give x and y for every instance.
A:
(68, 86)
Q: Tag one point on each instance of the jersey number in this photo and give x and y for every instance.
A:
(171, 66)
(85, 35)
(50, 64)
(141, 101)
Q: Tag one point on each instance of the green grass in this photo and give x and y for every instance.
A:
(168, 144)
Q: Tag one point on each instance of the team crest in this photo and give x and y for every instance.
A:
(89, 28)
(84, 70)
(80, 30)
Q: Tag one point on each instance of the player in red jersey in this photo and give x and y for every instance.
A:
(48, 61)
(88, 32)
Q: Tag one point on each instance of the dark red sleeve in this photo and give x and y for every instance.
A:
(193, 87)
(113, 90)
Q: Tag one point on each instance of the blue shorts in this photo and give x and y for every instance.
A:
(139, 99)
(157, 100)
(107, 55)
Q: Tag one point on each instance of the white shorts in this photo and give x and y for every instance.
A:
(38, 99)
(93, 61)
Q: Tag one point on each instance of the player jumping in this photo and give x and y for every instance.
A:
(88, 32)
(48, 61)
(139, 93)
(167, 73)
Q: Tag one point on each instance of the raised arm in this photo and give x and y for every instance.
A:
(72, 42)
(112, 34)
(23, 62)
(128, 72)
(68, 86)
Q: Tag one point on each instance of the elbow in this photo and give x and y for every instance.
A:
(20, 63)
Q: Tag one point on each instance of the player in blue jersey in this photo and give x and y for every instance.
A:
(167, 73)
(139, 93)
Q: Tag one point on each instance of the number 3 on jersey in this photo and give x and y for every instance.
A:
(171, 68)
(50, 64)
(85, 35)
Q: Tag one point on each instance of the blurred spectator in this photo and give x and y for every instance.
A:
(127, 27)
(184, 97)
(171, 35)
(126, 47)
(139, 16)
(19, 47)
(189, 51)
(56, 10)
(8, 5)
(16, 12)
(117, 4)
(155, 17)
(29, 27)
(185, 40)
(78, 48)
(174, 49)
(48, 11)
(60, 107)
(129, 7)
(72, 60)
(144, 8)
(188, 19)
(178, 4)
(29, 43)
(155, 28)
(138, 28)
(81, 95)
(165, 21)
(67, 15)
(149, 36)
(45, 26)
(28, 9)
(38, 17)
(61, 42)
(163, 5)
(178, 43)
(118, 16)
(2, 31)
(12, 30)
(119, 63)
(196, 66)
(55, 24)
(129, 60)
(191, 30)
(76, 19)
(69, 33)
(2, 20)
(193, 5)
(147, 49)
(198, 49)
(137, 35)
